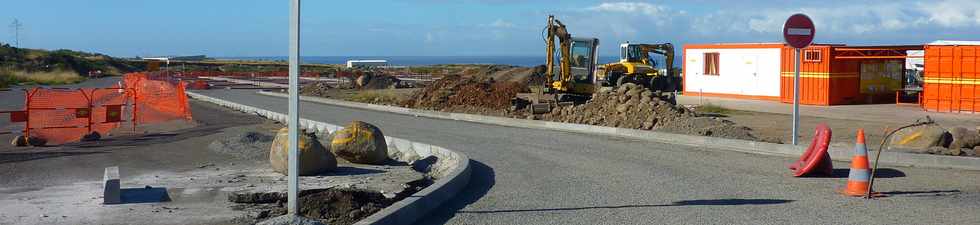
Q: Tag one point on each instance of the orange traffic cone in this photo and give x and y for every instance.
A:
(857, 179)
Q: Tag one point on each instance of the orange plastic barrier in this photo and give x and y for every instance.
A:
(61, 115)
(65, 115)
(816, 159)
(157, 98)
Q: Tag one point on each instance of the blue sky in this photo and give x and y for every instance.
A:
(477, 27)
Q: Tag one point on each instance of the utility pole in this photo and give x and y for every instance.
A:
(16, 26)
(293, 120)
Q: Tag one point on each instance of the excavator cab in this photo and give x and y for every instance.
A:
(583, 63)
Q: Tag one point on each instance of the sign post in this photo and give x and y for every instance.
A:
(798, 31)
(293, 120)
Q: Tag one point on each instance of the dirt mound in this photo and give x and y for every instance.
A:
(465, 94)
(331, 206)
(635, 107)
(248, 145)
(505, 72)
(318, 89)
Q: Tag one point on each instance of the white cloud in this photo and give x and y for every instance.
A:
(857, 18)
(500, 23)
(629, 7)
(952, 13)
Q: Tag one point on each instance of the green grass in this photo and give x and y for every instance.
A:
(715, 109)
(9, 78)
(374, 97)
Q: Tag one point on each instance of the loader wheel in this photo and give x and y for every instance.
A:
(612, 79)
(659, 83)
(622, 80)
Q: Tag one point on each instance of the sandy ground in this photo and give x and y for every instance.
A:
(42, 185)
(773, 121)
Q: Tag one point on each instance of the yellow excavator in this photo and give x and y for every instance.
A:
(636, 66)
(574, 80)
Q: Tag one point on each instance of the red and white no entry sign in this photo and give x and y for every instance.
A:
(798, 31)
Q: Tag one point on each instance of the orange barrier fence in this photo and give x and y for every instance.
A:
(62, 115)
(157, 98)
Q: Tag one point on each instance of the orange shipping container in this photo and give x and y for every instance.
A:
(951, 77)
(823, 79)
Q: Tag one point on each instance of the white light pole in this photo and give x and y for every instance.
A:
(293, 121)
(796, 97)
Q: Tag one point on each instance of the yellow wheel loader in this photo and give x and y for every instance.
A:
(636, 66)
(574, 80)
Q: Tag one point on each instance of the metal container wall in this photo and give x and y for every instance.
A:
(951, 78)
(825, 82)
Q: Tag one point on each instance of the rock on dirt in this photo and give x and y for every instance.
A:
(378, 81)
(963, 138)
(921, 137)
(360, 142)
(19, 141)
(314, 158)
(632, 106)
(247, 145)
(318, 89)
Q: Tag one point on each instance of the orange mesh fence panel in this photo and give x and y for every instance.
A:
(52, 115)
(158, 98)
(102, 100)
(66, 115)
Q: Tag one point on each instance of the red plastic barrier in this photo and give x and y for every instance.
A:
(816, 159)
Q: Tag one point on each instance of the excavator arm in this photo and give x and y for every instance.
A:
(665, 49)
(557, 30)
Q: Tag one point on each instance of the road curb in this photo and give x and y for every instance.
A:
(706, 143)
(410, 209)
(240, 81)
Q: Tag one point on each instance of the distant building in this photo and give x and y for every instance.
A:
(367, 63)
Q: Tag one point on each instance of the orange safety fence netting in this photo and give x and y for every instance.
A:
(157, 98)
(65, 115)
(61, 115)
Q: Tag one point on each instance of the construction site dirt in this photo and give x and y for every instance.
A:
(198, 165)
(488, 90)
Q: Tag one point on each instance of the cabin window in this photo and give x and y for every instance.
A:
(812, 55)
(712, 63)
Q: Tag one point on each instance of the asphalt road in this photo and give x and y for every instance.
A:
(527, 176)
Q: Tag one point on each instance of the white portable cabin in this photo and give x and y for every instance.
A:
(367, 63)
(736, 70)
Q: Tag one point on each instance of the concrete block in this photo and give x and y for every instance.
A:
(111, 193)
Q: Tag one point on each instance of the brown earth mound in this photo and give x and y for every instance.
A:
(466, 94)
(635, 107)
(505, 72)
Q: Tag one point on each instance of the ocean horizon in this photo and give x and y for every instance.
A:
(422, 60)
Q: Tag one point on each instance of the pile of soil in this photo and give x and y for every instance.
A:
(505, 72)
(330, 206)
(378, 81)
(318, 89)
(632, 106)
(456, 93)
(248, 145)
